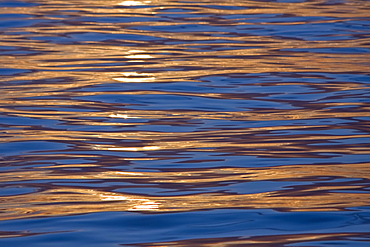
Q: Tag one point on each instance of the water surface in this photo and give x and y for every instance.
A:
(184, 123)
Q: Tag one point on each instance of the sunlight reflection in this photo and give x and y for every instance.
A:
(148, 205)
(120, 116)
(139, 204)
(135, 77)
(249, 109)
(138, 56)
(147, 148)
(133, 3)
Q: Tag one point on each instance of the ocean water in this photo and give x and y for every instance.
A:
(184, 123)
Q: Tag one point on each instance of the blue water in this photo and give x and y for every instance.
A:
(184, 123)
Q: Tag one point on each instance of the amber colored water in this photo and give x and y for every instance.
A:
(184, 123)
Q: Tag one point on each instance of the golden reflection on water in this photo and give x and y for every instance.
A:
(134, 3)
(76, 200)
(171, 57)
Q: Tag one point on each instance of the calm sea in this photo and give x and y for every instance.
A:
(155, 123)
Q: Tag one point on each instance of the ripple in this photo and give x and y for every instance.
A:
(184, 123)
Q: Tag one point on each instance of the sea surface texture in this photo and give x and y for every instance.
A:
(184, 123)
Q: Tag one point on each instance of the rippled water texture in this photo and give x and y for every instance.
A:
(184, 123)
